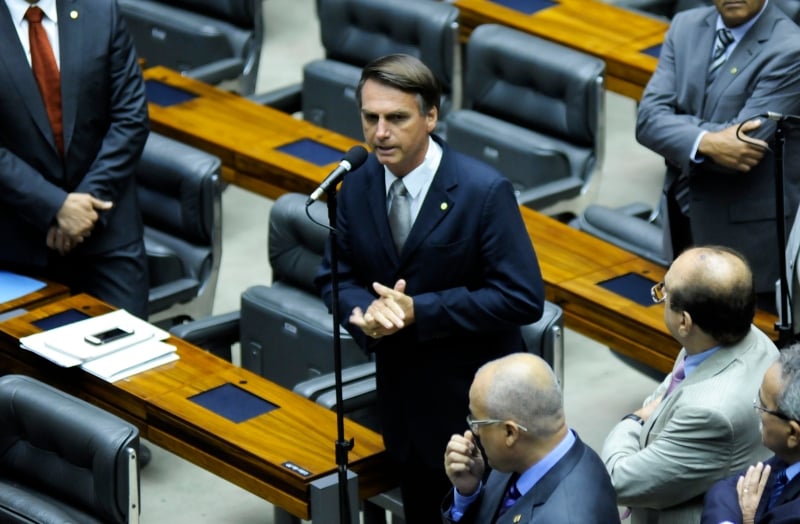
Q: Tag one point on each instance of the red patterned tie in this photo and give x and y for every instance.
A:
(45, 69)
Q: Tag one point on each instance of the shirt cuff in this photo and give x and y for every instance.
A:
(695, 157)
(461, 503)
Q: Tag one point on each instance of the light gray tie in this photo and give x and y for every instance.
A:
(399, 213)
(723, 40)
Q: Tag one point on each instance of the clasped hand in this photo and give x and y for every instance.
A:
(75, 221)
(729, 150)
(389, 313)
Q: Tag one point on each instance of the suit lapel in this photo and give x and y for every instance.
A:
(19, 73)
(71, 29)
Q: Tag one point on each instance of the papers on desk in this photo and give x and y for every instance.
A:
(13, 286)
(134, 353)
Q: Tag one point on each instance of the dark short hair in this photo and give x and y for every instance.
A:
(724, 310)
(406, 73)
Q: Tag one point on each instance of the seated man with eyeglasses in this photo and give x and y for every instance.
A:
(542, 471)
(697, 427)
(767, 492)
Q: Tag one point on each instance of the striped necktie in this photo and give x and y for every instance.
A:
(723, 40)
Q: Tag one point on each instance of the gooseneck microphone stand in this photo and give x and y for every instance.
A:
(784, 324)
(343, 446)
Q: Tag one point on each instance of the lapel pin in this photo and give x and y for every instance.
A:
(734, 70)
(73, 14)
(517, 518)
(443, 206)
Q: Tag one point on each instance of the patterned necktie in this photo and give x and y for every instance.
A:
(677, 376)
(723, 40)
(399, 213)
(45, 70)
(511, 496)
(777, 488)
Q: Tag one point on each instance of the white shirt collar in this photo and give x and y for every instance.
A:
(17, 8)
(421, 176)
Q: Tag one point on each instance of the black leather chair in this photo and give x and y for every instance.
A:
(354, 32)
(534, 110)
(179, 194)
(211, 40)
(63, 460)
(284, 329)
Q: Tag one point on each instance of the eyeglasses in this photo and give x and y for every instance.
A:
(759, 406)
(474, 424)
(658, 293)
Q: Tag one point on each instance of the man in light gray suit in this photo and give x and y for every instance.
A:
(720, 187)
(663, 457)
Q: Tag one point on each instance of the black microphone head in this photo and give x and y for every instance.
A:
(356, 156)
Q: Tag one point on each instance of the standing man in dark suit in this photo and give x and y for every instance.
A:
(68, 208)
(719, 187)
(542, 471)
(437, 274)
(768, 492)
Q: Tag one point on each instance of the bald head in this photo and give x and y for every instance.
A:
(521, 387)
(715, 286)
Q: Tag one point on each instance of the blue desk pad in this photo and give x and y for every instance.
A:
(526, 6)
(233, 403)
(165, 95)
(312, 151)
(653, 51)
(67, 316)
(632, 286)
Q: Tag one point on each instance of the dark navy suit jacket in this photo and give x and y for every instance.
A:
(471, 269)
(722, 501)
(577, 490)
(105, 127)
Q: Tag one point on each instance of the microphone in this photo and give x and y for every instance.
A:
(779, 117)
(353, 159)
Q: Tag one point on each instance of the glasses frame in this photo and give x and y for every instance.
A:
(759, 406)
(658, 293)
(475, 424)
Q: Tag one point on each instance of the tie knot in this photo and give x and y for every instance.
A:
(725, 37)
(398, 188)
(34, 15)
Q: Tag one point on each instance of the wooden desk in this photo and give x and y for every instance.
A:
(616, 35)
(572, 262)
(251, 454)
(51, 291)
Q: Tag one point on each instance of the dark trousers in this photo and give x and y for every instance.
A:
(680, 227)
(423, 489)
(118, 277)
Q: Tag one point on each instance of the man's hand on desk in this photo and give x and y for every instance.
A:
(728, 150)
(389, 313)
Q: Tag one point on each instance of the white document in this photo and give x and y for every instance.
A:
(131, 360)
(66, 345)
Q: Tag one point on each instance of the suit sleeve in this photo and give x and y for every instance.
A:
(512, 290)
(722, 503)
(124, 140)
(680, 463)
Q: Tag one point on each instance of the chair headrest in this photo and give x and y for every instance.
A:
(296, 244)
(65, 447)
(552, 86)
(358, 31)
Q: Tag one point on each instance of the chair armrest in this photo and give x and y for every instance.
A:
(165, 295)
(314, 387)
(288, 99)
(216, 72)
(216, 333)
(629, 232)
(543, 195)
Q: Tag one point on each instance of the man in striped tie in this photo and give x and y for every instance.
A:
(721, 69)
(769, 491)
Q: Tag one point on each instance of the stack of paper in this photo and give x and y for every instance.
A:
(143, 349)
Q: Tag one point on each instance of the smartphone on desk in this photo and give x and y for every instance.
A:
(109, 335)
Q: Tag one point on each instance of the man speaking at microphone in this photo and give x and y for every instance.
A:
(437, 272)
(721, 70)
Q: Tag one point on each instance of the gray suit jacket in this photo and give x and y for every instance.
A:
(705, 430)
(576, 491)
(762, 74)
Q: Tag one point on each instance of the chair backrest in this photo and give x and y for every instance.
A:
(213, 40)
(62, 459)
(179, 194)
(545, 338)
(533, 109)
(354, 32)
